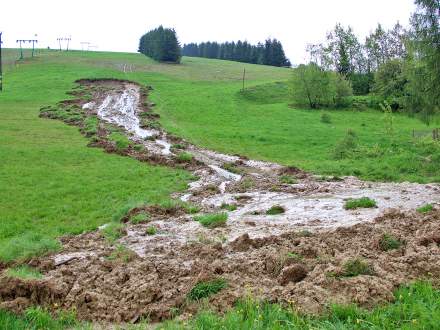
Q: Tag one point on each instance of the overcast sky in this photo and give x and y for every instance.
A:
(117, 25)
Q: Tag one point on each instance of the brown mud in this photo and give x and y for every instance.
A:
(296, 257)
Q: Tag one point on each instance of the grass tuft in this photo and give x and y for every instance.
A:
(425, 208)
(275, 209)
(212, 220)
(388, 242)
(140, 217)
(288, 179)
(151, 230)
(205, 289)
(229, 207)
(355, 267)
(363, 202)
(184, 157)
(113, 231)
(24, 272)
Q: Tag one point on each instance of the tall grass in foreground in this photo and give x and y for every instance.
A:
(416, 307)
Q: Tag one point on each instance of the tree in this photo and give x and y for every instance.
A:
(423, 63)
(311, 86)
(161, 44)
(390, 82)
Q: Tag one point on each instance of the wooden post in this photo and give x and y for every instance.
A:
(244, 76)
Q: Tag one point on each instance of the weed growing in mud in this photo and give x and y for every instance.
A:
(205, 289)
(294, 256)
(355, 267)
(191, 208)
(288, 179)
(121, 141)
(363, 202)
(233, 168)
(246, 184)
(113, 231)
(388, 242)
(212, 220)
(24, 272)
(151, 230)
(185, 157)
(425, 208)
(121, 253)
(140, 217)
(275, 209)
(229, 207)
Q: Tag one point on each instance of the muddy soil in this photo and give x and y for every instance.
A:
(296, 257)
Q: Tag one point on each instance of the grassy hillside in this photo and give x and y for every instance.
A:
(52, 184)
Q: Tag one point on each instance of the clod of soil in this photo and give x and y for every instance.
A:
(294, 273)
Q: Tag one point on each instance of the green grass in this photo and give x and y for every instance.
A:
(229, 207)
(122, 142)
(212, 220)
(356, 267)
(184, 157)
(151, 230)
(415, 307)
(425, 208)
(24, 272)
(113, 231)
(388, 242)
(288, 179)
(205, 289)
(356, 203)
(275, 209)
(140, 217)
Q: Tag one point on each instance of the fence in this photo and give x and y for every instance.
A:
(435, 133)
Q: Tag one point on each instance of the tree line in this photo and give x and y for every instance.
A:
(161, 44)
(399, 66)
(269, 53)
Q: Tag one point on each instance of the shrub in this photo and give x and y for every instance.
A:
(325, 118)
(387, 242)
(275, 209)
(355, 267)
(212, 220)
(425, 208)
(345, 146)
(205, 289)
(363, 202)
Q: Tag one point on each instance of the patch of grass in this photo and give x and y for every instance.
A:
(415, 307)
(325, 118)
(229, 207)
(363, 202)
(344, 148)
(140, 217)
(294, 256)
(121, 253)
(178, 146)
(425, 208)
(205, 289)
(120, 139)
(275, 209)
(388, 242)
(355, 267)
(184, 157)
(212, 220)
(90, 126)
(191, 208)
(305, 233)
(139, 147)
(288, 179)
(232, 167)
(113, 231)
(270, 93)
(151, 230)
(24, 272)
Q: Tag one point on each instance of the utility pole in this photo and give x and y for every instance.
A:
(1, 70)
(244, 76)
(59, 42)
(68, 40)
(21, 49)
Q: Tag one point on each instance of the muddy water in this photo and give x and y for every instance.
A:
(310, 204)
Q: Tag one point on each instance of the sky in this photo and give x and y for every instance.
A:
(110, 25)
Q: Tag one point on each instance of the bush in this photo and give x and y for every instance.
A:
(205, 289)
(363, 202)
(212, 220)
(345, 147)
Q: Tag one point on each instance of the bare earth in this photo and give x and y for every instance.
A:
(295, 257)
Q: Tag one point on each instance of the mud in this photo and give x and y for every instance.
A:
(294, 258)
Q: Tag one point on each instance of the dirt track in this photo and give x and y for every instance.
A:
(270, 256)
